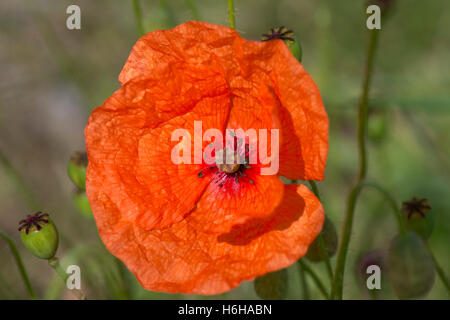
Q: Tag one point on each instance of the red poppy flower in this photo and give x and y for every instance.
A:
(197, 228)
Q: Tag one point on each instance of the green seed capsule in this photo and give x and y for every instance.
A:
(77, 169)
(39, 235)
(272, 286)
(330, 241)
(81, 202)
(411, 268)
(288, 37)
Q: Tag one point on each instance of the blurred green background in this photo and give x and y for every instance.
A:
(51, 78)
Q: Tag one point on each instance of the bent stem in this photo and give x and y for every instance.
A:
(23, 271)
(231, 17)
(303, 266)
(322, 247)
(395, 209)
(54, 263)
(138, 16)
(363, 105)
(336, 289)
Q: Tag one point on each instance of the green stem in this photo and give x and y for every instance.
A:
(193, 9)
(23, 271)
(336, 289)
(138, 16)
(363, 104)
(314, 277)
(314, 188)
(231, 17)
(21, 184)
(322, 247)
(54, 263)
(439, 270)
(171, 21)
(393, 203)
(303, 282)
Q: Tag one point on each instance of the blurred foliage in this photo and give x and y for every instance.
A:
(52, 78)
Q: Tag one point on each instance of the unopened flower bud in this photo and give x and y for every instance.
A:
(288, 37)
(272, 286)
(77, 169)
(410, 266)
(330, 242)
(418, 217)
(39, 235)
(81, 202)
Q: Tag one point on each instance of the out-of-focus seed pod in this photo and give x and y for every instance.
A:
(330, 240)
(77, 169)
(385, 5)
(272, 286)
(288, 37)
(410, 266)
(39, 235)
(418, 217)
(81, 202)
(364, 261)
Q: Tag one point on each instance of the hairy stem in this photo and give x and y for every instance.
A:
(23, 271)
(54, 263)
(231, 18)
(336, 289)
(138, 16)
(363, 104)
